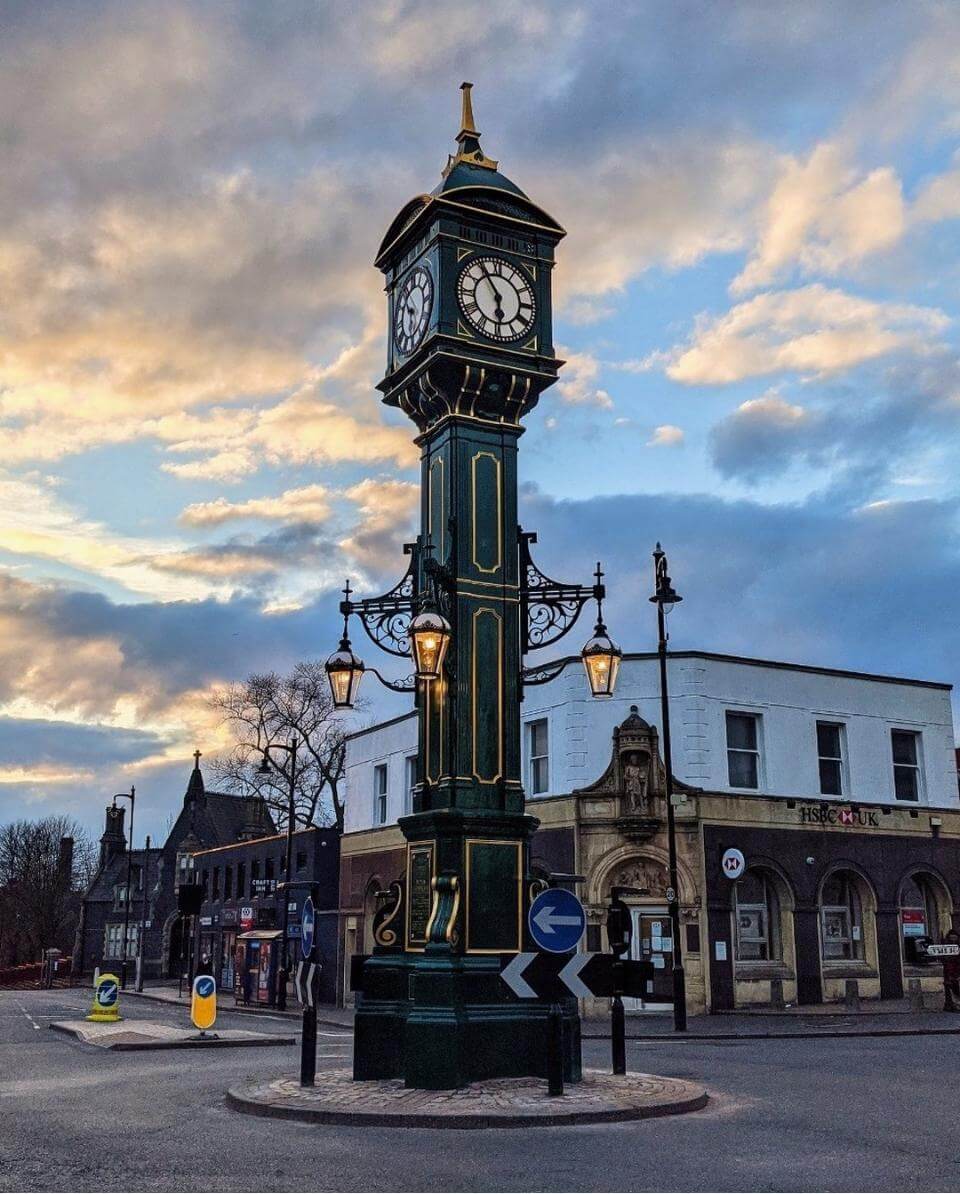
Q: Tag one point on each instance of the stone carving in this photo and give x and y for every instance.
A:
(644, 873)
(636, 777)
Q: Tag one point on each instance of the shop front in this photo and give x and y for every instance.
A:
(825, 895)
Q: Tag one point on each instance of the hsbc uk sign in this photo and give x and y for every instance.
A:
(825, 814)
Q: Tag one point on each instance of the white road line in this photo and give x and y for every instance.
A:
(29, 1017)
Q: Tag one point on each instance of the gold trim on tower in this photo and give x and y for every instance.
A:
(477, 614)
(468, 844)
(475, 512)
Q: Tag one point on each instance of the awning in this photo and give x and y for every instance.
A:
(260, 935)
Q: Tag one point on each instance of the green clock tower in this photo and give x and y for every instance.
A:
(468, 279)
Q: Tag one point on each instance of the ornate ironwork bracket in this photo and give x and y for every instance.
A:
(542, 675)
(387, 619)
(549, 608)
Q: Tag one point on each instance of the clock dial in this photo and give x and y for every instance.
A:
(414, 302)
(496, 298)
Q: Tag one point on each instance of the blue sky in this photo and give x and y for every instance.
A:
(756, 300)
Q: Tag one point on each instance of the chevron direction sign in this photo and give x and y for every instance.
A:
(558, 976)
(305, 982)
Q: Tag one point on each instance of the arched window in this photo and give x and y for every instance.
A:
(841, 917)
(919, 916)
(757, 918)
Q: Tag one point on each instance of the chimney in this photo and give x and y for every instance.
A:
(114, 840)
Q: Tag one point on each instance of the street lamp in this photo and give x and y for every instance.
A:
(344, 669)
(264, 769)
(126, 903)
(664, 596)
(430, 635)
(601, 656)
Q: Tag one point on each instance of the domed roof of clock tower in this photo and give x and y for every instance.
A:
(468, 179)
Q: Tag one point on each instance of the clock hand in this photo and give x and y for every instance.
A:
(497, 298)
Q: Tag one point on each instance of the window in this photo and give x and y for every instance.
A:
(538, 746)
(119, 896)
(841, 918)
(301, 860)
(918, 910)
(227, 882)
(743, 750)
(241, 880)
(254, 873)
(113, 941)
(830, 752)
(906, 764)
(380, 794)
(185, 868)
(757, 912)
(215, 894)
(205, 883)
(268, 869)
(411, 782)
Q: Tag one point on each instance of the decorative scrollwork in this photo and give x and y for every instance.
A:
(542, 675)
(549, 608)
(387, 619)
(386, 913)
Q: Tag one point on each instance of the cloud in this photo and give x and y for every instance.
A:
(813, 330)
(309, 503)
(822, 218)
(666, 436)
(386, 510)
(578, 380)
(763, 436)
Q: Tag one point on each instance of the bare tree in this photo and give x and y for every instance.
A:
(45, 866)
(268, 710)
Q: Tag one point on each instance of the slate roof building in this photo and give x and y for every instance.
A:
(206, 819)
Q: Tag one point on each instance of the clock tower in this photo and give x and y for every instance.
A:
(468, 278)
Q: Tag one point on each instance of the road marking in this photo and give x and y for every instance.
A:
(29, 1017)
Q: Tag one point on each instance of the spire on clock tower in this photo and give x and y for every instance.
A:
(468, 138)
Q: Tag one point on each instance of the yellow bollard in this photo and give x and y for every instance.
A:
(106, 1000)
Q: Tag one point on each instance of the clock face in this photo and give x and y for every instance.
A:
(414, 303)
(496, 298)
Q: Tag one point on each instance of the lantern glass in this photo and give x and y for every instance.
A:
(429, 640)
(601, 661)
(344, 672)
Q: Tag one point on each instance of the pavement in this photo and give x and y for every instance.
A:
(600, 1097)
(852, 1113)
(142, 1034)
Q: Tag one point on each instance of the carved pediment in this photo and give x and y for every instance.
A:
(645, 874)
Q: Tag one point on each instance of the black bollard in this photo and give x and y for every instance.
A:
(554, 1051)
(618, 1035)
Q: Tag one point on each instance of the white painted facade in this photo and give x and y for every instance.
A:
(787, 700)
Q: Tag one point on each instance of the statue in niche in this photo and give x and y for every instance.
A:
(636, 776)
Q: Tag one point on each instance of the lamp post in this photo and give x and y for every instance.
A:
(264, 769)
(665, 595)
(131, 795)
(143, 911)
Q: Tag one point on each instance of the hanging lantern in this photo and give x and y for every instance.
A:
(601, 660)
(344, 671)
(429, 639)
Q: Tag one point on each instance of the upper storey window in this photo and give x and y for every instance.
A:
(743, 750)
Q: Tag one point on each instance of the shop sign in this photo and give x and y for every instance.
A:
(826, 814)
(246, 918)
(206, 921)
(229, 916)
(914, 922)
(264, 886)
(733, 863)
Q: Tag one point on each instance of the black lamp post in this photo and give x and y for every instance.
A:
(665, 595)
(264, 769)
(126, 903)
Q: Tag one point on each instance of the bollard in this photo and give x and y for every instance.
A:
(618, 1035)
(851, 995)
(776, 994)
(915, 992)
(554, 1051)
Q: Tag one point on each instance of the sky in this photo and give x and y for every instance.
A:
(757, 301)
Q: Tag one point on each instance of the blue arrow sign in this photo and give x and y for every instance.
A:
(204, 986)
(557, 920)
(308, 925)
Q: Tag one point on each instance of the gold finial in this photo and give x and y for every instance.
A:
(468, 138)
(467, 127)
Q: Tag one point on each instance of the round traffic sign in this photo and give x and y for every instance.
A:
(733, 863)
(204, 986)
(557, 920)
(308, 927)
(108, 989)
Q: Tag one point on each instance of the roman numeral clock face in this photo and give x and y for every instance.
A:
(496, 298)
(412, 311)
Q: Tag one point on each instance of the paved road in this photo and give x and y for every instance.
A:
(846, 1114)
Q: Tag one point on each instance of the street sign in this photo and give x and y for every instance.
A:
(940, 951)
(308, 927)
(549, 976)
(733, 863)
(106, 999)
(203, 1002)
(557, 920)
(305, 982)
